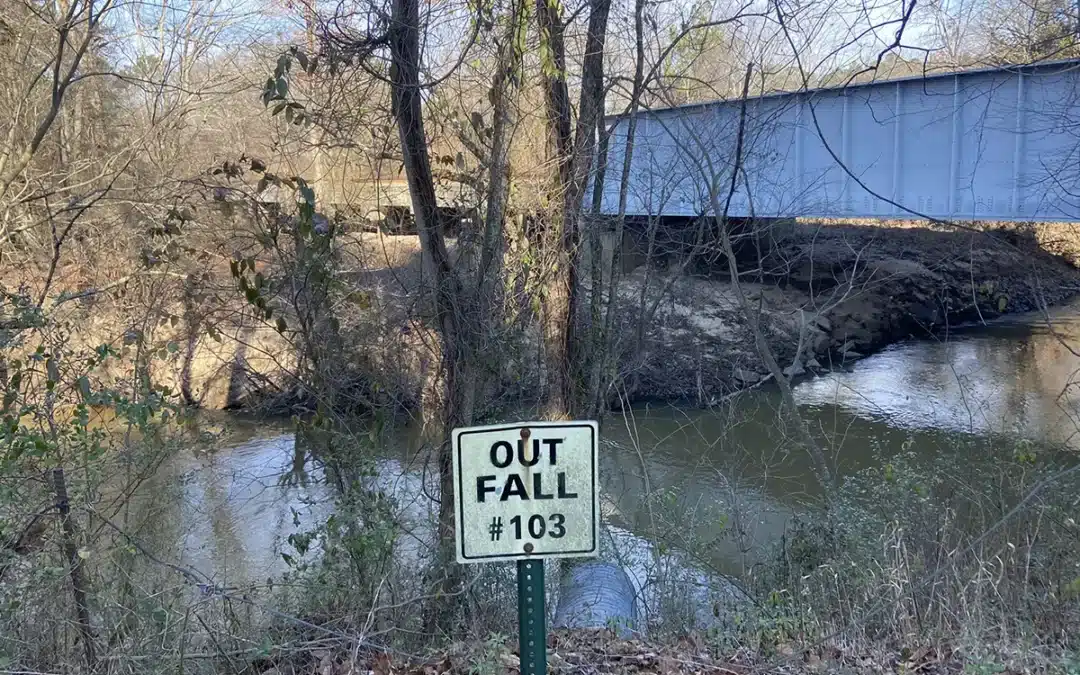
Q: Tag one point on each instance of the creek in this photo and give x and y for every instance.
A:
(725, 480)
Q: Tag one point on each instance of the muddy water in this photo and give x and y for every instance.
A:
(724, 480)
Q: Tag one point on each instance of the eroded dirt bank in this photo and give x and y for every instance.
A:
(830, 294)
(824, 296)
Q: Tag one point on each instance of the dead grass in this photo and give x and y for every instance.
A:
(599, 651)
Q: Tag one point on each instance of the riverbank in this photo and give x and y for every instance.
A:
(923, 559)
(827, 295)
(824, 296)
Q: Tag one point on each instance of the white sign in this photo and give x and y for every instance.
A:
(526, 490)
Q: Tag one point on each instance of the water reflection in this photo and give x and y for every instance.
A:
(1016, 377)
(719, 486)
(228, 511)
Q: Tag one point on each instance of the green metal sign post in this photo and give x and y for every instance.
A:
(527, 492)
(532, 617)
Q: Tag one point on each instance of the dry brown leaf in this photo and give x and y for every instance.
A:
(381, 664)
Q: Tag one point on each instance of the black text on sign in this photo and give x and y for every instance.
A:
(526, 490)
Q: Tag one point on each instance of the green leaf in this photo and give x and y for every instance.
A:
(282, 87)
(278, 108)
(308, 195)
(302, 59)
(288, 115)
(281, 325)
(1003, 302)
(83, 383)
(268, 91)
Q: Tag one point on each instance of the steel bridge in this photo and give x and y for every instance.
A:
(992, 144)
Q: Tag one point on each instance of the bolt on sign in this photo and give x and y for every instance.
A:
(526, 490)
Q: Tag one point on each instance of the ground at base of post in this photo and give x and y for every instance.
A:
(599, 651)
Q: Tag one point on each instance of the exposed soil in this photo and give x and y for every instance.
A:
(877, 285)
(827, 295)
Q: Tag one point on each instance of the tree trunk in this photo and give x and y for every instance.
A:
(314, 261)
(556, 95)
(590, 106)
(564, 354)
(192, 325)
(78, 581)
(560, 240)
(457, 384)
(608, 364)
(586, 163)
(506, 82)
